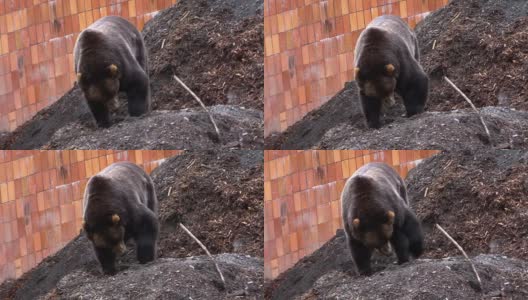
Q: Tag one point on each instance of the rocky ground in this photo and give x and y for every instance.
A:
(479, 45)
(168, 129)
(485, 214)
(218, 196)
(339, 124)
(213, 46)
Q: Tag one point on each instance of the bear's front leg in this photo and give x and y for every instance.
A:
(138, 94)
(400, 244)
(371, 108)
(415, 95)
(100, 113)
(146, 238)
(106, 258)
(413, 231)
(361, 256)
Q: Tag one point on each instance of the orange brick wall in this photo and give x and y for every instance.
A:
(302, 191)
(41, 199)
(309, 50)
(36, 46)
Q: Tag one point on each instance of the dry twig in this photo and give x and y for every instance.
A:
(463, 252)
(206, 251)
(201, 103)
(456, 17)
(472, 106)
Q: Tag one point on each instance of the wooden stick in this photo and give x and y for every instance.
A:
(206, 251)
(470, 103)
(201, 103)
(463, 252)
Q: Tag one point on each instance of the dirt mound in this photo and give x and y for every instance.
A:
(182, 129)
(35, 133)
(169, 278)
(214, 46)
(339, 124)
(75, 255)
(481, 46)
(217, 195)
(328, 274)
(479, 197)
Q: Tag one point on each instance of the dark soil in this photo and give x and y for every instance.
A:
(339, 124)
(476, 196)
(480, 46)
(169, 278)
(217, 196)
(77, 254)
(183, 129)
(35, 133)
(328, 274)
(215, 47)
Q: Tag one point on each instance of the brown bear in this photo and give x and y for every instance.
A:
(387, 61)
(120, 204)
(110, 57)
(376, 214)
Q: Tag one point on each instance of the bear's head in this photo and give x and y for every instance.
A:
(107, 234)
(376, 80)
(374, 232)
(100, 85)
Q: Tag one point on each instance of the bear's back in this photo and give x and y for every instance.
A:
(375, 180)
(124, 178)
(388, 29)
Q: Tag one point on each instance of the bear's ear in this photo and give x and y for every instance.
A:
(390, 69)
(390, 216)
(356, 72)
(79, 76)
(115, 219)
(114, 71)
(355, 222)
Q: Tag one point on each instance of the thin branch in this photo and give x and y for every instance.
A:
(201, 103)
(448, 164)
(463, 252)
(206, 251)
(470, 103)
(457, 15)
